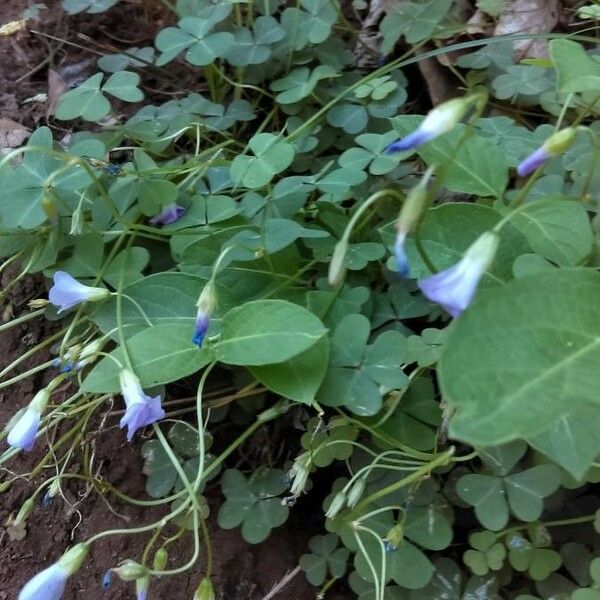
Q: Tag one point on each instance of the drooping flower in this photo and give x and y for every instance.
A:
(337, 268)
(206, 304)
(141, 587)
(169, 214)
(408, 218)
(440, 120)
(22, 434)
(49, 584)
(68, 292)
(455, 287)
(556, 144)
(141, 410)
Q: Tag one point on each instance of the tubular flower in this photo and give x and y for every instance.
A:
(556, 144)
(455, 287)
(141, 410)
(22, 433)
(440, 120)
(68, 292)
(206, 305)
(49, 584)
(169, 214)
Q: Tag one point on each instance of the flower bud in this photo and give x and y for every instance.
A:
(556, 144)
(129, 570)
(38, 303)
(141, 587)
(394, 537)
(160, 559)
(207, 302)
(4, 486)
(336, 505)
(337, 269)
(204, 591)
(356, 491)
(76, 222)
(299, 473)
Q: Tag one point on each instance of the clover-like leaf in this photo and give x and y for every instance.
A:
(325, 557)
(318, 437)
(372, 154)
(253, 503)
(524, 556)
(487, 553)
(85, 101)
(160, 473)
(271, 156)
(300, 83)
(253, 47)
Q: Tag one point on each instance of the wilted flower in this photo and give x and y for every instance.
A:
(169, 214)
(22, 434)
(556, 144)
(337, 269)
(141, 409)
(394, 538)
(455, 287)
(299, 473)
(50, 209)
(338, 502)
(50, 583)
(206, 304)
(129, 570)
(440, 120)
(68, 292)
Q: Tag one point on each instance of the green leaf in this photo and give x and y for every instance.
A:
(158, 468)
(486, 494)
(184, 439)
(271, 156)
(298, 378)
(522, 79)
(73, 7)
(493, 8)
(325, 558)
(557, 229)
(577, 71)
(526, 490)
(267, 332)
(123, 85)
(352, 118)
(300, 83)
(572, 441)
(159, 355)
(543, 351)
(85, 101)
(416, 22)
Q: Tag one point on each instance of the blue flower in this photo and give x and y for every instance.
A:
(201, 328)
(169, 214)
(455, 287)
(556, 144)
(23, 432)
(402, 264)
(533, 161)
(141, 410)
(48, 584)
(68, 292)
(440, 120)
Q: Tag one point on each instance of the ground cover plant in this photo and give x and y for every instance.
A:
(409, 290)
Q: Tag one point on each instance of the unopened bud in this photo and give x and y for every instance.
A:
(38, 303)
(50, 209)
(204, 591)
(141, 587)
(560, 141)
(129, 570)
(336, 505)
(394, 537)
(5, 485)
(76, 222)
(356, 491)
(160, 559)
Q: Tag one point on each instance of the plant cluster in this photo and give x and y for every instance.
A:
(419, 292)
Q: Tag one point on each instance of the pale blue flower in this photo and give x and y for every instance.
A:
(141, 410)
(169, 214)
(23, 433)
(48, 584)
(68, 292)
(207, 301)
(201, 327)
(455, 287)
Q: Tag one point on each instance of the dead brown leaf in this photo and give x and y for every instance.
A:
(12, 134)
(529, 16)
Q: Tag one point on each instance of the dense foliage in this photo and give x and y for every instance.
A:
(442, 364)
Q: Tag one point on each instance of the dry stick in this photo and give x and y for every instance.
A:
(282, 583)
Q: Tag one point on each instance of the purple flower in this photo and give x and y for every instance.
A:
(48, 584)
(455, 287)
(22, 435)
(533, 161)
(68, 292)
(169, 214)
(201, 328)
(440, 120)
(141, 410)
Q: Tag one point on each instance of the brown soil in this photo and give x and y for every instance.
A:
(240, 571)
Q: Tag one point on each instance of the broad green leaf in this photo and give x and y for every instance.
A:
(158, 355)
(300, 377)
(526, 490)
(73, 7)
(544, 352)
(572, 441)
(486, 494)
(267, 332)
(577, 70)
(556, 228)
(85, 101)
